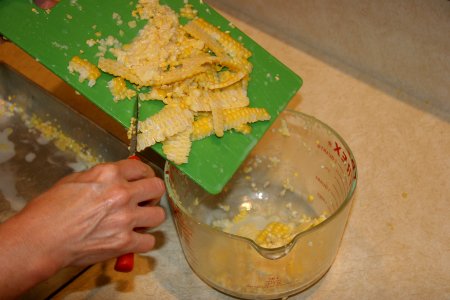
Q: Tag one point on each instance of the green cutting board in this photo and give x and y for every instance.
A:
(54, 37)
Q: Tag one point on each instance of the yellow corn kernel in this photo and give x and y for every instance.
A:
(240, 216)
(119, 89)
(85, 69)
(202, 127)
(275, 234)
(188, 11)
(244, 129)
(154, 94)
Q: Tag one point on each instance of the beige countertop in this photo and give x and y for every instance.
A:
(397, 242)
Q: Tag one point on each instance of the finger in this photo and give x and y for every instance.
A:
(147, 189)
(149, 216)
(127, 169)
(132, 169)
(151, 202)
(143, 242)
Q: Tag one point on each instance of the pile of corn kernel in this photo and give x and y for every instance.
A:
(266, 229)
(275, 223)
(199, 72)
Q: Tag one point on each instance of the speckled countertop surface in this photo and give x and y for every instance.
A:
(397, 242)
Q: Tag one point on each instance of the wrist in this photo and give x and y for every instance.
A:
(23, 257)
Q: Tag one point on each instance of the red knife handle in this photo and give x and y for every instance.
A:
(125, 263)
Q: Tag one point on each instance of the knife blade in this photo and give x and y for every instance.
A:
(134, 130)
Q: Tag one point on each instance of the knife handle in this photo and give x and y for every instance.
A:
(125, 262)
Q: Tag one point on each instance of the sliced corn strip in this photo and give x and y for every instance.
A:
(171, 120)
(218, 118)
(232, 96)
(233, 118)
(218, 41)
(177, 147)
(115, 68)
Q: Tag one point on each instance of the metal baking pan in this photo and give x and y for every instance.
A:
(30, 162)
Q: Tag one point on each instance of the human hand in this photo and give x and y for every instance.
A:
(91, 216)
(85, 218)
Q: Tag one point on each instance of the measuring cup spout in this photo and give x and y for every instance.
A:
(274, 253)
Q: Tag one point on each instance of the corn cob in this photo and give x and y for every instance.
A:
(171, 120)
(85, 69)
(119, 89)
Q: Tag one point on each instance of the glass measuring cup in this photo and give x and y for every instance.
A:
(300, 169)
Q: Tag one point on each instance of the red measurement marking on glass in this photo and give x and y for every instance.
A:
(344, 157)
(271, 282)
(184, 230)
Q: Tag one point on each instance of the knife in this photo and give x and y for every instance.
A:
(125, 262)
